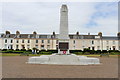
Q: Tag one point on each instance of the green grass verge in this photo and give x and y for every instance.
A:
(14, 54)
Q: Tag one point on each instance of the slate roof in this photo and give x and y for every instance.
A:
(72, 36)
(109, 38)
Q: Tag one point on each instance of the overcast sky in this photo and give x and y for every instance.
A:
(44, 17)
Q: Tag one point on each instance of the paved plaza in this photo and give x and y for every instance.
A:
(15, 67)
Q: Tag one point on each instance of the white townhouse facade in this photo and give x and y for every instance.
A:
(50, 41)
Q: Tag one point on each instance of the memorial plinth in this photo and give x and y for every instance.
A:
(63, 60)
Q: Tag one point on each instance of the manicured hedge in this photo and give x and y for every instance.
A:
(78, 52)
(74, 51)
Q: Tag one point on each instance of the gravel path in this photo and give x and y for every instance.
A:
(15, 67)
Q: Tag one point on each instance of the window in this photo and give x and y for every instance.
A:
(92, 42)
(98, 47)
(11, 46)
(28, 41)
(113, 42)
(57, 47)
(48, 41)
(11, 41)
(36, 46)
(42, 41)
(48, 46)
(93, 48)
(17, 46)
(17, 41)
(83, 47)
(28, 46)
(36, 41)
(98, 42)
(23, 46)
(43, 36)
(74, 47)
(5, 46)
(56, 41)
(89, 48)
(107, 42)
(107, 47)
(42, 46)
(5, 40)
(73, 41)
(22, 41)
(114, 47)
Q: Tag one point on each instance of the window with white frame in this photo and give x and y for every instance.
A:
(92, 42)
(23, 41)
(98, 47)
(28, 46)
(42, 41)
(28, 41)
(107, 42)
(5, 40)
(17, 41)
(73, 41)
(73, 47)
(42, 46)
(107, 47)
(36, 41)
(48, 46)
(11, 41)
(5, 46)
(17, 46)
(113, 42)
(48, 41)
(36, 46)
(56, 41)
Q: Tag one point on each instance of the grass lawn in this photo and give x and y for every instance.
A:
(14, 54)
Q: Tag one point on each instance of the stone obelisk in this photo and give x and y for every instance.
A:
(63, 33)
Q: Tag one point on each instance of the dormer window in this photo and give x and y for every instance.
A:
(8, 35)
(28, 36)
(18, 36)
(37, 36)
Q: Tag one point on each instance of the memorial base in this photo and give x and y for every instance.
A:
(56, 59)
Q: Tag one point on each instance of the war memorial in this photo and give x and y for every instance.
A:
(63, 57)
(63, 63)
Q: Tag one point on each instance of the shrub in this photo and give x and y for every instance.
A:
(78, 53)
(4, 49)
(104, 51)
(115, 53)
(53, 51)
(17, 49)
(98, 51)
(29, 50)
(73, 51)
(92, 52)
(23, 49)
(44, 52)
